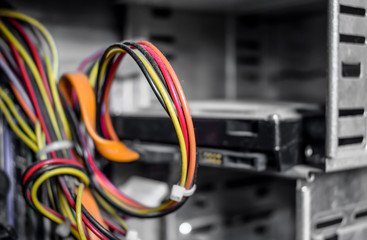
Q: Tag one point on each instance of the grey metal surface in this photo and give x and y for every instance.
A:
(332, 98)
(281, 56)
(221, 109)
(303, 212)
(193, 41)
(333, 206)
(228, 5)
(345, 140)
(238, 205)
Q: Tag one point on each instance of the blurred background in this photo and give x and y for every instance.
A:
(265, 55)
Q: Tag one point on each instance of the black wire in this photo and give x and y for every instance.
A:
(142, 68)
(108, 69)
(6, 52)
(53, 184)
(91, 219)
(75, 131)
(16, 34)
(73, 124)
(150, 60)
(38, 173)
(93, 181)
(47, 168)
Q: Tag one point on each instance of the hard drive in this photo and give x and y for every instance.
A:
(257, 135)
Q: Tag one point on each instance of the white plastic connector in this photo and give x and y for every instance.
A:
(132, 235)
(178, 192)
(63, 229)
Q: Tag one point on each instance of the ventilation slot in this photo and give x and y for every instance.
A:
(351, 70)
(239, 220)
(162, 12)
(335, 237)
(352, 39)
(248, 44)
(248, 60)
(351, 112)
(202, 229)
(329, 223)
(163, 39)
(352, 10)
(361, 214)
(350, 140)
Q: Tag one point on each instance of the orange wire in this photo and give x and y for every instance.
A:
(186, 110)
(23, 104)
(20, 99)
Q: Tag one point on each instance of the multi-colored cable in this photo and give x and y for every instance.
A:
(41, 112)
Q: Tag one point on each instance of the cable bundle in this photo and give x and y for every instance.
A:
(65, 168)
(168, 90)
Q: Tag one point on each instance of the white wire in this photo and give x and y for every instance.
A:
(54, 146)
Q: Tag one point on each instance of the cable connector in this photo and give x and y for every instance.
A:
(132, 235)
(178, 192)
(63, 229)
(54, 146)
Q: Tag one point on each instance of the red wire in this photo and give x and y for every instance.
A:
(102, 177)
(35, 56)
(174, 95)
(114, 227)
(48, 162)
(103, 126)
(31, 93)
(110, 77)
(85, 220)
(90, 59)
(90, 226)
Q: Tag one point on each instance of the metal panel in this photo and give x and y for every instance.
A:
(354, 3)
(332, 98)
(347, 88)
(352, 126)
(353, 233)
(345, 142)
(333, 206)
(352, 24)
(238, 205)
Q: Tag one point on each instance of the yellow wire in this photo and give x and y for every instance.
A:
(35, 73)
(140, 211)
(21, 121)
(104, 66)
(65, 207)
(173, 115)
(112, 211)
(52, 71)
(42, 179)
(56, 98)
(93, 74)
(39, 135)
(176, 124)
(51, 196)
(41, 140)
(41, 144)
(42, 29)
(15, 128)
(63, 211)
(78, 212)
(171, 112)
